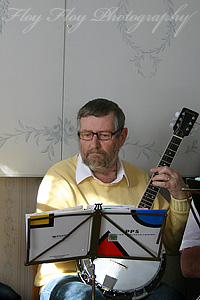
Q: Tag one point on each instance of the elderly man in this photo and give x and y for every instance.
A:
(97, 175)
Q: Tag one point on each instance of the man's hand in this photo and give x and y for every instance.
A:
(170, 179)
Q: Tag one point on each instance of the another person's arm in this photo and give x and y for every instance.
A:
(190, 262)
(190, 247)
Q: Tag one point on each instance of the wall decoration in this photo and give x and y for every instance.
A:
(169, 17)
(4, 4)
(61, 131)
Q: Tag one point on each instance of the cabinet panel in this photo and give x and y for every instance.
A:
(56, 55)
(144, 56)
(31, 59)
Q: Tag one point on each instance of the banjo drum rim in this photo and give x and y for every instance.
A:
(137, 293)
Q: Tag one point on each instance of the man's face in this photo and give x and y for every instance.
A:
(100, 156)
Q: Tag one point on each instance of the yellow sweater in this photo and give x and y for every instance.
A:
(59, 190)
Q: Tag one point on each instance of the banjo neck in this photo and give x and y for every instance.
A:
(166, 160)
(182, 128)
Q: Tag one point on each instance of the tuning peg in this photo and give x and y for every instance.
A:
(177, 114)
(174, 119)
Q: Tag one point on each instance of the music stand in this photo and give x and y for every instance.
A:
(94, 225)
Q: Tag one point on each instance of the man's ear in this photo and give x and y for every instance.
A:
(123, 136)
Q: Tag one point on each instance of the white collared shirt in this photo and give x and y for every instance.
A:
(83, 171)
(191, 236)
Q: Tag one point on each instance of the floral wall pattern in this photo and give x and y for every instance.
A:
(52, 135)
(140, 52)
(4, 4)
(18, 196)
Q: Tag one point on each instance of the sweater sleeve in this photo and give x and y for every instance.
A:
(175, 225)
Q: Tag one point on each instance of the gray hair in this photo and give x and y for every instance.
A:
(99, 108)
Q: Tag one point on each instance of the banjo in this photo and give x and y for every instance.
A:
(135, 279)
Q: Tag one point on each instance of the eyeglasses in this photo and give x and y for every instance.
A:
(102, 135)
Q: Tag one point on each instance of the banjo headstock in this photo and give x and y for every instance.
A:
(185, 122)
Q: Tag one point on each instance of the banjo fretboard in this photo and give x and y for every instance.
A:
(166, 160)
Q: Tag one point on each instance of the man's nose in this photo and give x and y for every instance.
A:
(95, 142)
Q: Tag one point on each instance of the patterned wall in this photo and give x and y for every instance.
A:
(17, 197)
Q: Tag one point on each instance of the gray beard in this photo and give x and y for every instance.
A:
(97, 164)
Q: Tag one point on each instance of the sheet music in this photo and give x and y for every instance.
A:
(40, 214)
(144, 229)
(68, 234)
(54, 227)
(114, 207)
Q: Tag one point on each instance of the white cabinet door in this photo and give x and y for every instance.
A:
(31, 86)
(145, 55)
(55, 55)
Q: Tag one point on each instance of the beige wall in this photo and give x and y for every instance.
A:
(17, 197)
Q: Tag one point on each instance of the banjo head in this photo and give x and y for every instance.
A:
(132, 279)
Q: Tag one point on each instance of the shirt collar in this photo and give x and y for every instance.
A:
(83, 171)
